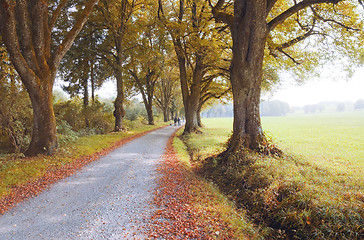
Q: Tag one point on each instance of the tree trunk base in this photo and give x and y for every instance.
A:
(195, 130)
(261, 145)
(37, 148)
(120, 129)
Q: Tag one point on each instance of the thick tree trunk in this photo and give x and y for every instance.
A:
(44, 139)
(149, 108)
(191, 124)
(249, 33)
(119, 111)
(26, 32)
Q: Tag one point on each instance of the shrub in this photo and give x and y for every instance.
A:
(15, 117)
(65, 133)
(93, 119)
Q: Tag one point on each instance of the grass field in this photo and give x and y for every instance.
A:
(315, 191)
(333, 140)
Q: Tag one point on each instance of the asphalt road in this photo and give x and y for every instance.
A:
(108, 199)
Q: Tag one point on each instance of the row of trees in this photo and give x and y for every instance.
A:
(211, 47)
(267, 108)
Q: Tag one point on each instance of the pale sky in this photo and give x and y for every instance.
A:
(322, 89)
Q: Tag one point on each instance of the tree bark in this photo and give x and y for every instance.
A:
(26, 33)
(119, 111)
(199, 122)
(190, 95)
(118, 35)
(149, 108)
(85, 99)
(44, 139)
(165, 114)
(146, 89)
(249, 32)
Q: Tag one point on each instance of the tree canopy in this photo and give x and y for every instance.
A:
(214, 48)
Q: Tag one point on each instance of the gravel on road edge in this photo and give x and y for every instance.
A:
(108, 199)
(20, 193)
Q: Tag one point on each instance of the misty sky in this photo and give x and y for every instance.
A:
(326, 88)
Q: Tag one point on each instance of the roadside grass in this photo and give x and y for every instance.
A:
(220, 217)
(15, 169)
(314, 192)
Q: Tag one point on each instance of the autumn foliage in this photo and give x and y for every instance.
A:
(181, 210)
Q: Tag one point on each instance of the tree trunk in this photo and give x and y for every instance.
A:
(119, 111)
(92, 78)
(199, 122)
(165, 114)
(44, 139)
(191, 116)
(26, 32)
(85, 100)
(190, 95)
(149, 108)
(148, 103)
(249, 33)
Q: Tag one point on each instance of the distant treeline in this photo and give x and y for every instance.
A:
(279, 108)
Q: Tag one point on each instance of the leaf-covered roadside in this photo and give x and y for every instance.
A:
(191, 208)
(28, 177)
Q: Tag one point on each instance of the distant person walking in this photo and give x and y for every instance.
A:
(179, 121)
(175, 120)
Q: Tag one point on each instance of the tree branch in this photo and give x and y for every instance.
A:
(56, 13)
(294, 9)
(287, 55)
(333, 21)
(70, 37)
(10, 39)
(297, 39)
(270, 5)
(25, 35)
(361, 3)
(39, 15)
(220, 15)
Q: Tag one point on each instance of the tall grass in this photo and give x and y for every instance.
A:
(315, 191)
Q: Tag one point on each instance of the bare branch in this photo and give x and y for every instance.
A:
(361, 3)
(294, 9)
(332, 21)
(286, 54)
(297, 39)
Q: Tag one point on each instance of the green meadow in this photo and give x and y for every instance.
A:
(334, 140)
(315, 191)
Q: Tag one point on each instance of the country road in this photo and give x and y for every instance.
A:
(108, 199)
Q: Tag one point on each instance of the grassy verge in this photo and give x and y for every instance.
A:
(18, 173)
(217, 214)
(306, 194)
